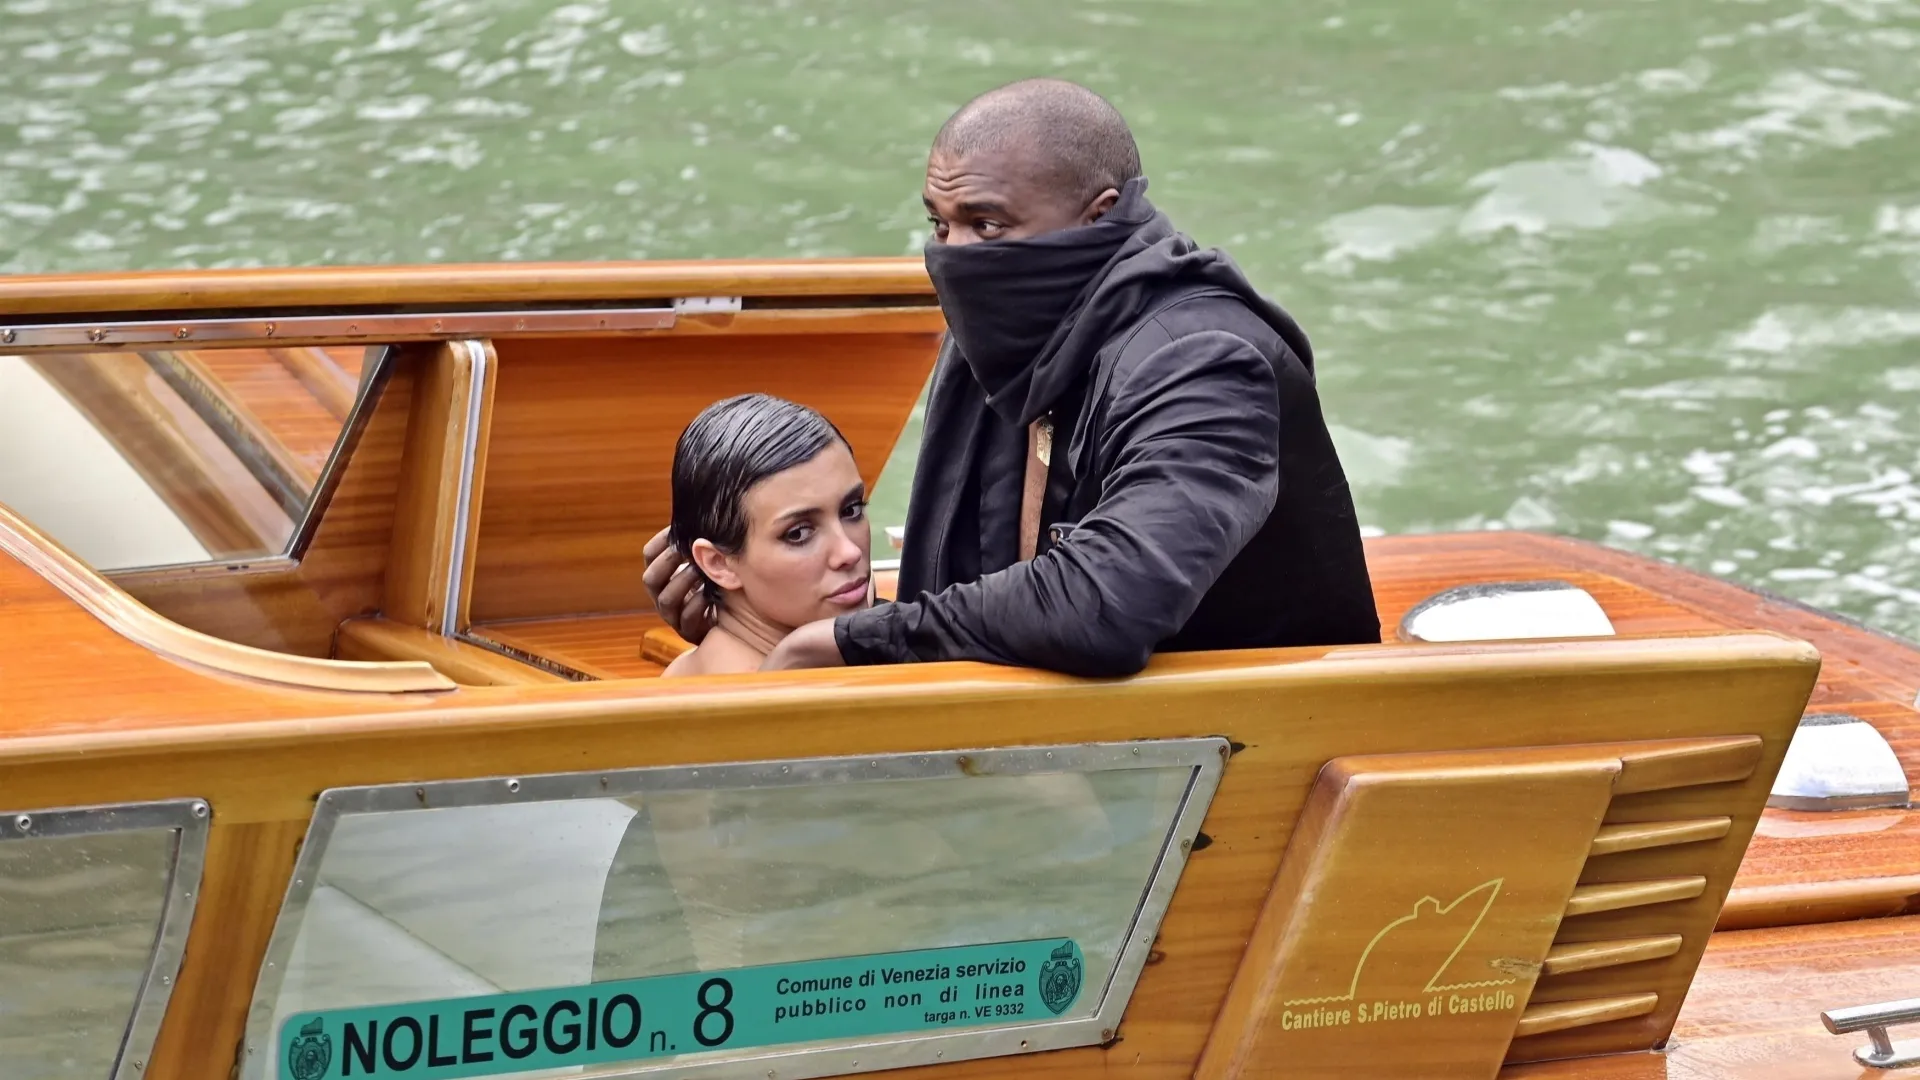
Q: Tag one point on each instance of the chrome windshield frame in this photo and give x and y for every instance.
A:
(1205, 757)
(190, 820)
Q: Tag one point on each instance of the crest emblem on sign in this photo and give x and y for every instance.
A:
(1060, 978)
(310, 1053)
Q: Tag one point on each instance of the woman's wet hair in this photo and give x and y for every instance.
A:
(731, 446)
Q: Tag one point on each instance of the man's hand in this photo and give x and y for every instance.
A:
(675, 589)
(810, 646)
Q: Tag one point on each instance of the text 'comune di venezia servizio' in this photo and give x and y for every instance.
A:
(697, 1012)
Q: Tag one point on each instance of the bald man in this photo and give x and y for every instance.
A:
(1124, 451)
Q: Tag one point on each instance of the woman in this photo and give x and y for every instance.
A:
(770, 511)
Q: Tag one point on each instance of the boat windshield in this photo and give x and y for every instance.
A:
(135, 459)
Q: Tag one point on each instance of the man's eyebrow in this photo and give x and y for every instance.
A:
(981, 206)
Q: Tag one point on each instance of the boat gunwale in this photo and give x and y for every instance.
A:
(477, 710)
(40, 295)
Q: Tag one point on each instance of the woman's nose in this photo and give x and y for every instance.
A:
(845, 551)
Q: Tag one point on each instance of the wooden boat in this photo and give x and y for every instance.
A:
(380, 782)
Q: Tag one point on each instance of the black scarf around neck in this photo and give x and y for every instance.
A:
(1025, 319)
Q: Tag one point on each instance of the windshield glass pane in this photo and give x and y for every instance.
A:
(916, 906)
(79, 916)
(148, 459)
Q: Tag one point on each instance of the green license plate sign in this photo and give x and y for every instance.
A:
(1018, 982)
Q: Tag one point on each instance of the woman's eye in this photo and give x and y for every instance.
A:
(853, 511)
(799, 534)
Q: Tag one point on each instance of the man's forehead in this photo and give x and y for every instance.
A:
(983, 174)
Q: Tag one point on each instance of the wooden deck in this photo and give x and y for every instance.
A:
(1753, 1012)
(1800, 867)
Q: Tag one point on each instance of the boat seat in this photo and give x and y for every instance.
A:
(1506, 610)
(1838, 762)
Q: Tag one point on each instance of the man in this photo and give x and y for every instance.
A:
(1124, 450)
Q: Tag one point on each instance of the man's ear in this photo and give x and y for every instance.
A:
(716, 564)
(1098, 208)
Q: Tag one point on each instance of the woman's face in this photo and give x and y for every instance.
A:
(806, 552)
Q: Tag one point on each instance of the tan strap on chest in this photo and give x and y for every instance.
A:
(1034, 494)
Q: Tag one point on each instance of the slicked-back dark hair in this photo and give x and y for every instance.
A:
(731, 446)
(1079, 142)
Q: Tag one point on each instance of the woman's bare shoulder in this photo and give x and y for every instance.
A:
(720, 653)
(687, 663)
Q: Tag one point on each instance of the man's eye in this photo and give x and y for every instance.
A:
(988, 228)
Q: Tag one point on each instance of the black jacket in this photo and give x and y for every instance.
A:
(1195, 499)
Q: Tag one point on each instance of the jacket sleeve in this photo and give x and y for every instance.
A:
(1189, 461)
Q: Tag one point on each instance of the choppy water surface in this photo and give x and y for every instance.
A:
(1646, 272)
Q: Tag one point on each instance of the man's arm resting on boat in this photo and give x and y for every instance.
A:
(1191, 472)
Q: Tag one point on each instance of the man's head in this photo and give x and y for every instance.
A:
(1025, 159)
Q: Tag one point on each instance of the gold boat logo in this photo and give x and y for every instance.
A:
(1422, 945)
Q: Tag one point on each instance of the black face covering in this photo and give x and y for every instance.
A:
(1010, 304)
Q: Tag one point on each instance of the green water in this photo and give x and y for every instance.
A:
(1646, 272)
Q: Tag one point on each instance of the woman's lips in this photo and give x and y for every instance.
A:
(851, 596)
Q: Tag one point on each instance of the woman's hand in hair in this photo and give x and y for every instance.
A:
(810, 646)
(675, 589)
